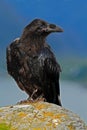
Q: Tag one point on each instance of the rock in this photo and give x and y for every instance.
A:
(39, 116)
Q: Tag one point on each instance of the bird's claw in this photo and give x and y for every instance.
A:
(30, 100)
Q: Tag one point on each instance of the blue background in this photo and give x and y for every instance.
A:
(70, 47)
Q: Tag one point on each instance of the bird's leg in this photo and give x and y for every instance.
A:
(31, 97)
(41, 98)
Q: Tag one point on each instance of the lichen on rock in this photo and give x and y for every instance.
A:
(39, 116)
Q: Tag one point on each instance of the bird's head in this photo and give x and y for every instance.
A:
(40, 27)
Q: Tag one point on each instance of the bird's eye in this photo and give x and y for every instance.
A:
(42, 26)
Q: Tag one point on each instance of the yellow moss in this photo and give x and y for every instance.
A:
(1, 110)
(46, 114)
(49, 124)
(36, 128)
(71, 127)
(14, 129)
(39, 107)
(56, 122)
(58, 116)
(1, 120)
(42, 119)
(39, 128)
(22, 114)
(54, 125)
(41, 115)
(44, 128)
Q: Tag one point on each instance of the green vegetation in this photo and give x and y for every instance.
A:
(74, 69)
(4, 126)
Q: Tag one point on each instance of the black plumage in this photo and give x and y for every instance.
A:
(31, 62)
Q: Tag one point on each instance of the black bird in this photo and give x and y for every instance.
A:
(31, 62)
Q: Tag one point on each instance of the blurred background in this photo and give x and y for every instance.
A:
(70, 47)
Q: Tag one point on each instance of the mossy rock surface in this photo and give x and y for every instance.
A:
(39, 116)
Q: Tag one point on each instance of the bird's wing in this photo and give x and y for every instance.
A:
(52, 71)
(11, 56)
(13, 64)
(49, 62)
(9, 59)
(51, 66)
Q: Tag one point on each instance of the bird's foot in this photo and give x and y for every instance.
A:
(40, 99)
(27, 101)
(36, 100)
(30, 100)
(23, 102)
(31, 97)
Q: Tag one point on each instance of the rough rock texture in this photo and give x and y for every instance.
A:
(39, 116)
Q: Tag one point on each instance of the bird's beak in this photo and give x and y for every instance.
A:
(53, 28)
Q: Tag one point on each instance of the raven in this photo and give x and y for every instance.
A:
(31, 62)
